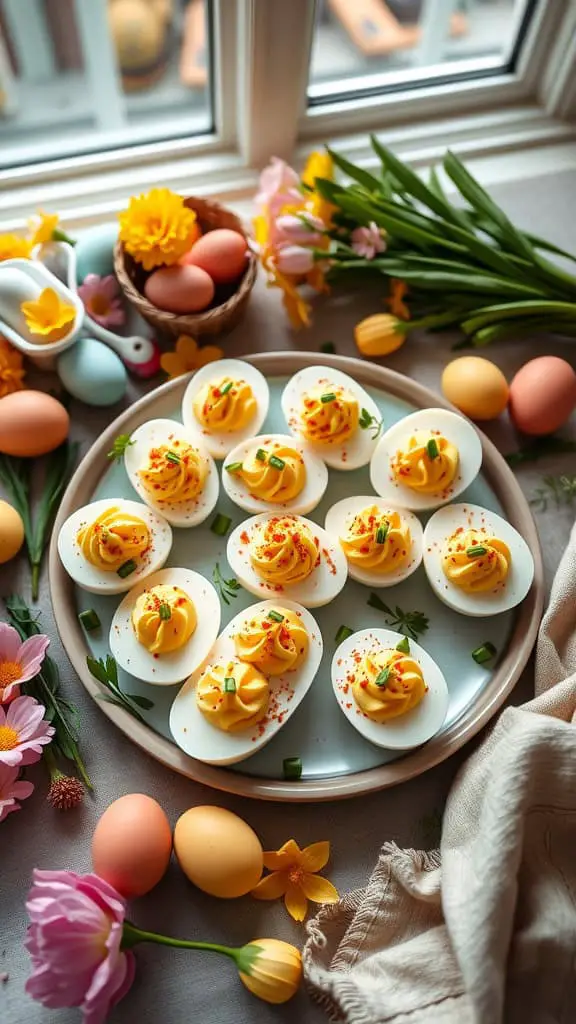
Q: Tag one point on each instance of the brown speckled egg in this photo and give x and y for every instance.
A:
(180, 289)
(543, 395)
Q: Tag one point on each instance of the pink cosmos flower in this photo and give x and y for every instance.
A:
(19, 661)
(278, 178)
(101, 297)
(368, 241)
(23, 732)
(74, 940)
(294, 259)
(11, 790)
(291, 228)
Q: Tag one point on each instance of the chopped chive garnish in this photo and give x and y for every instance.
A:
(476, 549)
(89, 620)
(227, 387)
(382, 533)
(343, 633)
(382, 677)
(127, 569)
(484, 653)
(275, 616)
(233, 467)
(261, 455)
(173, 457)
(328, 397)
(328, 347)
(229, 684)
(164, 611)
(432, 449)
(276, 463)
(404, 645)
(292, 767)
(220, 525)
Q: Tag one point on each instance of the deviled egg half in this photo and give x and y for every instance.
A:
(331, 412)
(258, 672)
(276, 554)
(171, 472)
(165, 626)
(389, 688)
(226, 402)
(111, 544)
(476, 562)
(426, 459)
(274, 472)
(382, 544)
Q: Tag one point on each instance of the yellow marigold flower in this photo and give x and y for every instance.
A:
(14, 247)
(188, 356)
(395, 301)
(48, 316)
(380, 334)
(294, 877)
(270, 969)
(157, 228)
(319, 165)
(43, 227)
(12, 372)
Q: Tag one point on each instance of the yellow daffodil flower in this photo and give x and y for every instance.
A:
(293, 876)
(14, 247)
(395, 301)
(12, 372)
(319, 165)
(43, 227)
(157, 228)
(270, 969)
(48, 316)
(188, 356)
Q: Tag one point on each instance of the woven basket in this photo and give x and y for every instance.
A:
(228, 306)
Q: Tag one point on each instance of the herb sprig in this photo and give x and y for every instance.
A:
(45, 687)
(539, 448)
(367, 421)
(119, 446)
(560, 489)
(410, 623)
(228, 589)
(106, 672)
(16, 475)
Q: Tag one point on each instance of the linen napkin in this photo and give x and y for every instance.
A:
(484, 930)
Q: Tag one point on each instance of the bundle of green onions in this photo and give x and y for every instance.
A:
(466, 265)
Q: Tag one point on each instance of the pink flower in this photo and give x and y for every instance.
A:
(294, 259)
(278, 179)
(23, 732)
(368, 241)
(19, 661)
(298, 231)
(11, 790)
(74, 940)
(101, 298)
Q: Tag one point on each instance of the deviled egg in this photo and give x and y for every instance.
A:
(226, 402)
(331, 412)
(111, 544)
(258, 672)
(476, 562)
(171, 472)
(165, 626)
(275, 472)
(276, 554)
(389, 688)
(426, 459)
(382, 544)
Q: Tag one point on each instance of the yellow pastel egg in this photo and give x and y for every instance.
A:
(11, 532)
(475, 386)
(218, 851)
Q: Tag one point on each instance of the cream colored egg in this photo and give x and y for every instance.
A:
(476, 386)
(294, 481)
(230, 418)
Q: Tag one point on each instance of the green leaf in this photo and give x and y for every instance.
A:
(329, 190)
(358, 174)
(415, 186)
(142, 702)
(98, 670)
(504, 311)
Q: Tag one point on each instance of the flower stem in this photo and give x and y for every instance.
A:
(35, 580)
(132, 935)
(51, 764)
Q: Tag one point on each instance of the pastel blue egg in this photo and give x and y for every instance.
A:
(95, 251)
(92, 372)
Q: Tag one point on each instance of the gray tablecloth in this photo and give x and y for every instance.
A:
(177, 987)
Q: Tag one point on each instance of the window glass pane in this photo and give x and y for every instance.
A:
(78, 76)
(371, 45)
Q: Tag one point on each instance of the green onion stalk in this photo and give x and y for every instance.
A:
(466, 265)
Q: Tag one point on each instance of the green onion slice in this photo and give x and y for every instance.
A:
(328, 397)
(432, 449)
(233, 467)
(89, 620)
(229, 684)
(404, 645)
(343, 633)
(164, 611)
(220, 525)
(276, 462)
(261, 455)
(476, 549)
(484, 653)
(382, 677)
(227, 387)
(382, 533)
(292, 767)
(275, 616)
(127, 569)
(173, 457)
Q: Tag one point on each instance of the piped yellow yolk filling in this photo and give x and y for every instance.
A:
(225, 405)
(114, 538)
(164, 618)
(175, 473)
(283, 551)
(275, 473)
(476, 562)
(274, 642)
(376, 540)
(428, 464)
(387, 684)
(232, 696)
(329, 414)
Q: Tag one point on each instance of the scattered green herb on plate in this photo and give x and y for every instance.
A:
(404, 646)
(227, 589)
(368, 421)
(90, 620)
(292, 768)
(410, 623)
(342, 634)
(220, 524)
(106, 672)
(484, 653)
(119, 446)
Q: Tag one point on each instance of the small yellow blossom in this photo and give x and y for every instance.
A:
(270, 969)
(319, 165)
(48, 316)
(157, 228)
(43, 227)
(293, 876)
(188, 356)
(395, 301)
(12, 372)
(14, 247)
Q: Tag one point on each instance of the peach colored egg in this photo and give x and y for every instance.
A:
(221, 253)
(11, 532)
(218, 851)
(32, 423)
(475, 386)
(543, 395)
(131, 845)
(180, 289)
